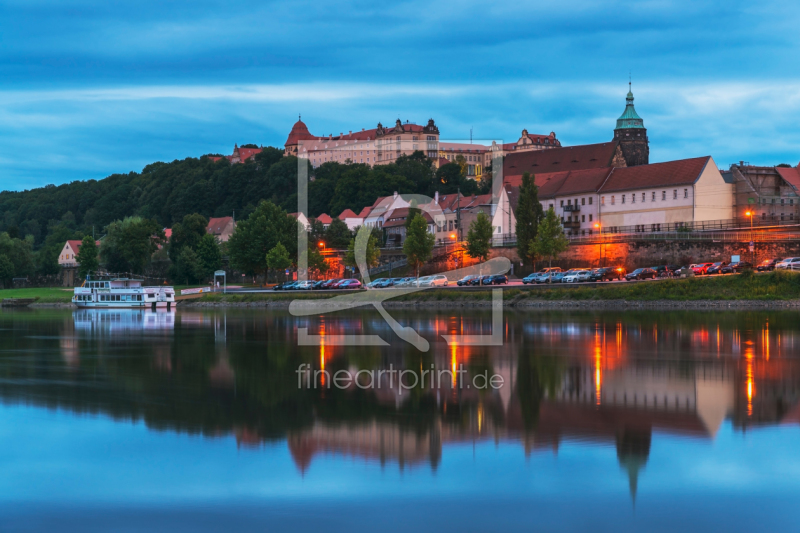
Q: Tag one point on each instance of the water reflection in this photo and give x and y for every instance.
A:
(603, 379)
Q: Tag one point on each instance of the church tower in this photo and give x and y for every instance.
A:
(632, 135)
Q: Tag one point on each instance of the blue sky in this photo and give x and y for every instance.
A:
(92, 88)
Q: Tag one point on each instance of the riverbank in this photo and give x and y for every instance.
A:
(775, 290)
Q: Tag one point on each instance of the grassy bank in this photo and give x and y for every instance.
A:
(44, 295)
(756, 287)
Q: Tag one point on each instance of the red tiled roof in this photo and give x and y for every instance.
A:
(570, 182)
(247, 153)
(299, 132)
(347, 213)
(214, 158)
(682, 172)
(399, 216)
(559, 159)
(790, 175)
(75, 245)
(168, 232)
(365, 212)
(324, 218)
(216, 225)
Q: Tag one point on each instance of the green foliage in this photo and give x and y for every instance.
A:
(550, 240)
(267, 226)
(189, 268)
(337, 235)
(529, 214)
(317, 262)
(278, 258)
(372, 251)
(20, 253)
(87, 257)
(479, 237)
(188, 232)
(6, 270)
(130, 243)
(209, 254)
(451, 177)
(419, 243)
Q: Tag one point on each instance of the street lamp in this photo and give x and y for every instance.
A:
(750, 213)
(599, 245)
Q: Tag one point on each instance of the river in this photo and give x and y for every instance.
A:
(219, 421)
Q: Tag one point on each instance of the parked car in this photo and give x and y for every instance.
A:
(318, 284)
(571, 276)
(790, 263)
(543, 274)
(330, 283)
(406, 282)
(437, 280)
(584, 275)
(767, 265)
(736, 267)
(486, 280)
(283, 286)
(701, 268)
(499, 279)
(607, 274)
(556, 277)
(716, 268)
(641, 273)
(530, 278)
(466, 280)
(349, 284)
(304, 285)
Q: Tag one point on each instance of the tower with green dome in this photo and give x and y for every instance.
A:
(631, 134)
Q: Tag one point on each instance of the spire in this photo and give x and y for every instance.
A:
(629, 118)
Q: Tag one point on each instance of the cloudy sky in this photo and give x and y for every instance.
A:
(92, 88)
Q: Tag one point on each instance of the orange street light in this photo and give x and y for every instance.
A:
(597, 225)
(453, 236)
(321, 244)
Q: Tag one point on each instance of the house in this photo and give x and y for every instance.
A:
(772, 193)
(351, 219)
(325, 219)
(240, 155)
(499, 210)
(382, 208)
(222, 228)
(395, 225)
(66, 259)
(302, 219)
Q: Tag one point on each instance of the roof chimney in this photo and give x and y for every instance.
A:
(350, 132)
(395, 194)
(436, 198)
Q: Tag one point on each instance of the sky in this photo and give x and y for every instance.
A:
(88, 89)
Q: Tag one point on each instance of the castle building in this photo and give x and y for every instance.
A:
(632, 135)
(378, 146)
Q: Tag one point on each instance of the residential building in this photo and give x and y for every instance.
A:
(474, 155)
(527, 142)
(222, 228)
(381, 145)
(68, 254)
(240, 155)
(395, 225)
(302, 219)
(770, 192)
(325, 219)
(382, 208)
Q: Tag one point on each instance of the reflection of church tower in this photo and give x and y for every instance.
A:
(633, 449)
(632, 135)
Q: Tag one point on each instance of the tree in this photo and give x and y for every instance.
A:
(419, 243)
(479, 237)
(87, 257)
(550, 239)
(529, 214)
(209, 254)
(130, 243)
(278, 258)
(317, 262)
(266, 226)
(6, 270)
(372, 250)
(452, 177)
(188, 267)
(188, 232)
(337, 235)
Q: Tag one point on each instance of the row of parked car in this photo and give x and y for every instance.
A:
(437, 280)
(318, 285)
(575, 275)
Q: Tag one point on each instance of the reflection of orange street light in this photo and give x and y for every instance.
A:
(599, 245)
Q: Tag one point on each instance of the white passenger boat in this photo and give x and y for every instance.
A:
(122, 293)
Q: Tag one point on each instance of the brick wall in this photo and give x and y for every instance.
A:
(642, 254)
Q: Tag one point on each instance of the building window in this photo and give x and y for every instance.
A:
(612, 199)
(686, 193)
(583, 218)
(562, 203)
(569, 202)
(602, 200)
(623, 198)
(590, 217)
(663, 195)
(633, 198)
(583, 201)
(782, 200)
(551, 206)
(654, 196)
(674, 194)
(590, 200)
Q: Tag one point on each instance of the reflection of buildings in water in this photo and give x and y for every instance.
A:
(100, 321)
(383, 441)
(69, 351)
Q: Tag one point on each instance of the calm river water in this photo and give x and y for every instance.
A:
(200, 421)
